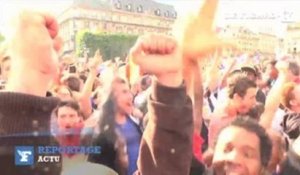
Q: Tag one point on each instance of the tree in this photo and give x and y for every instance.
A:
(110, 45)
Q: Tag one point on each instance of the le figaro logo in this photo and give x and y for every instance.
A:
(28, 155)
(24, 155)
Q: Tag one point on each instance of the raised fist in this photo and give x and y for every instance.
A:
(34, 43)
(159, 55)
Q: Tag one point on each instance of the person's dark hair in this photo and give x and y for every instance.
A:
(265, 143)
(107, 122)
(83, 77)
(256, 111)
(294, 68)
(57, 88)
(234, 73)
(73, 83)
(272, 62)
(109, 110)
(70, 103)
(249, 70)
(6, 58)
(239, 84)
(121, 64)
(145, 82)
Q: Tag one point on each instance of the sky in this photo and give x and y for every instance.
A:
(271, 16)
(262, 15)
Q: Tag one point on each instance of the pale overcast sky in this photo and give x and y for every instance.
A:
(268, 15)
(259, 15)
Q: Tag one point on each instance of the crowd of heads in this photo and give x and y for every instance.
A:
(101, 98)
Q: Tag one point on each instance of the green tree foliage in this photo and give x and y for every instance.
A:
(110, 45)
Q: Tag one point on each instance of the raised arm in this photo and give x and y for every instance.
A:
(274, 97)
(168, 135)
(86, 93)
(226, 73)
(213, 74)
(34, 45)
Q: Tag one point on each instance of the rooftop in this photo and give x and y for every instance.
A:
(137, 6)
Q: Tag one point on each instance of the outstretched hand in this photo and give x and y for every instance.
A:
(96, 61)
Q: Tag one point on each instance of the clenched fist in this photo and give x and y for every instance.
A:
(159, 55)
(34, 42)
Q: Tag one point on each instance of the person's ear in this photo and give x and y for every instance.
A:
(293, 102)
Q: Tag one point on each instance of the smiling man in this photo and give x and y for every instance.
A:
(241, 98)
(243, 147)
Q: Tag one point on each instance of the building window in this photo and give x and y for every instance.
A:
(140, 9)
(174, 15)
(118, 5)
(129, 30)
(105, 26)
(167, 14)
(157, 12)
(129, 7)
(119, 29)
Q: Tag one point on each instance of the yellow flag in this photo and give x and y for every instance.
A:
(132, 71)
(199, 38)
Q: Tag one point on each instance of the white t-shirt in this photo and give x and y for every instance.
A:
(278, 118)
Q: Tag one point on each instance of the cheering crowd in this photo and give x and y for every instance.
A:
(248, 124)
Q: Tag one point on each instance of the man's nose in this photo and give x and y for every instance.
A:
(68, 122)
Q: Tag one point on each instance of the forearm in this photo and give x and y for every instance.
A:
(88, 85)
(198, 100)
(86, 93)
(225, 75)
(273, 101)
(86, 106)
(212, 74)
(171, 125)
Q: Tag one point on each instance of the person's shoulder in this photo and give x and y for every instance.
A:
(22, 100)
(219, 113)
